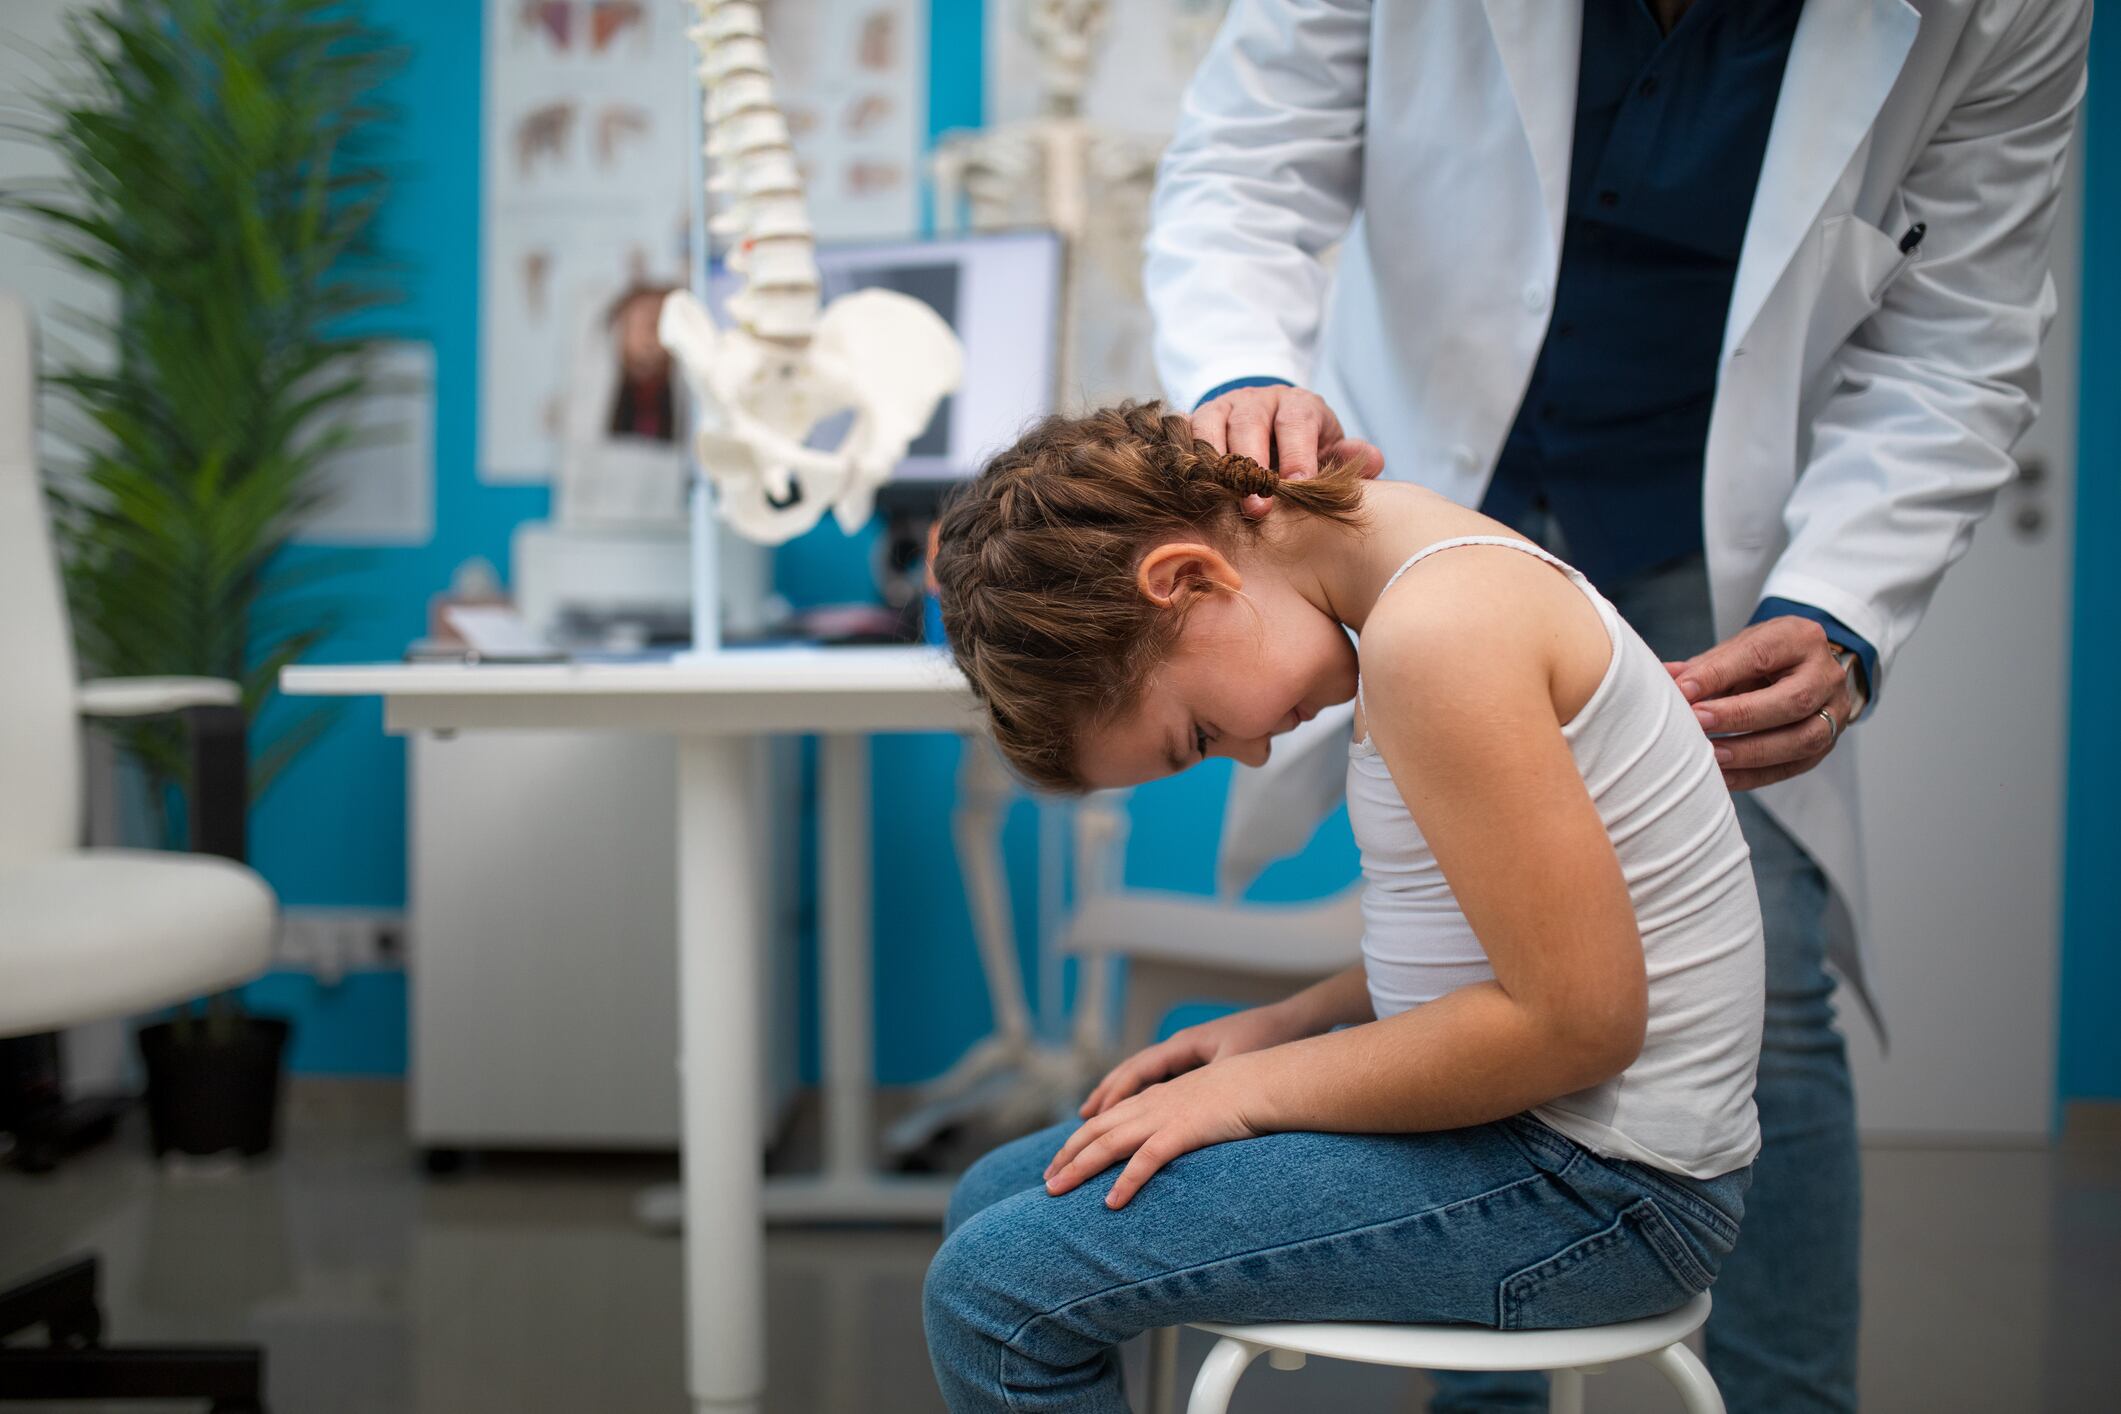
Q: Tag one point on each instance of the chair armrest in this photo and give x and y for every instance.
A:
(1269, 939)
(150, 697)
(220, 752)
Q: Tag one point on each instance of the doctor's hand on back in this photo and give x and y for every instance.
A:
(1775, 696)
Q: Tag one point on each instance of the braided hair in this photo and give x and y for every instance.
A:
(1036, 561)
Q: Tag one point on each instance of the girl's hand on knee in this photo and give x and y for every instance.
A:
(1214, 1104)
(1253, 1029)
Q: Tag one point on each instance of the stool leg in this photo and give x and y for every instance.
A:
(1685, 1370)
(1566, 1392)
(1163, 1370)
(1219, 1374)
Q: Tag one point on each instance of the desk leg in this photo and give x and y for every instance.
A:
(848, 1187)
(719, 927)
(849, 1032)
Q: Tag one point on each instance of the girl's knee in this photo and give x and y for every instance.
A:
(983, 1185)
(997, 1314)
(968, 1197)
(1008, 1301)
(1002, 1172)
(968, 1276)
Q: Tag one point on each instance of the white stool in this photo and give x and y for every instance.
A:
(1567, 1355)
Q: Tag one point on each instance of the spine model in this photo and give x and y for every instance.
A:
(783, 364)
(753, 183)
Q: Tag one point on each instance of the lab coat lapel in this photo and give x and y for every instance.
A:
(1844, 60)
(1540, 43)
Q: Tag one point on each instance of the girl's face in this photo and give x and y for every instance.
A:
(1254, 658)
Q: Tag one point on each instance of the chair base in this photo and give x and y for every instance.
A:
(1566, 1355)
(35, 1112)
(44, 1137)
(75, 1364)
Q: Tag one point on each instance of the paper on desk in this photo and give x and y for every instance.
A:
(493, 631)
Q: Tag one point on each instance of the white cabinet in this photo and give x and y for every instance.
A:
(542, 963)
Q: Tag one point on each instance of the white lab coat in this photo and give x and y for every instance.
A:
(1867, 401)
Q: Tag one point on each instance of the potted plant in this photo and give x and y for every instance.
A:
(218, 180)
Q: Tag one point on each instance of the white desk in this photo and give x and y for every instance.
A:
(716, 709)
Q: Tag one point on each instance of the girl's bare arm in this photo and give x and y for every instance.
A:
(1340, 1000)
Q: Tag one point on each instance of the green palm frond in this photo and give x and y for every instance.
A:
(222, 180)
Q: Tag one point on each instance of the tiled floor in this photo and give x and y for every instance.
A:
(1993, 1283)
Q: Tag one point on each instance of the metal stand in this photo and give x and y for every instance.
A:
(1010, 1081)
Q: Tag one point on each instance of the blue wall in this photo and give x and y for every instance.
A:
(2090, 1062)
(332, 831)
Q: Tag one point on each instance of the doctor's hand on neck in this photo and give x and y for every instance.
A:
(1289, 429)
(1773, 697)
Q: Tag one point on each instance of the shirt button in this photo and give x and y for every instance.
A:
(1609, 198)
(1535, 297)
(1462, 458)
(1648, 86)
(1564, 329)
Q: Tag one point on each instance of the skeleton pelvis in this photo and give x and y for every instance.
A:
(884, 357)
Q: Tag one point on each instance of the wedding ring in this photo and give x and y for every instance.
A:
(1833, 728)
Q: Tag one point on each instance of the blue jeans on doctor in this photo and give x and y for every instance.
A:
(1782, 1339)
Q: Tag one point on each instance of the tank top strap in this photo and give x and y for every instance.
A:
(1509, 542)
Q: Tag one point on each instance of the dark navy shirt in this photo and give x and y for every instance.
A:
(1670, 130)
(1611, 436)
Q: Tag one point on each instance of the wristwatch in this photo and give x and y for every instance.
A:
(1849, 662)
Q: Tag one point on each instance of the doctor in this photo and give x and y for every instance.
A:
(1736, 303)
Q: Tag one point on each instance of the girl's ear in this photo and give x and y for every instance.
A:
(1174, 572)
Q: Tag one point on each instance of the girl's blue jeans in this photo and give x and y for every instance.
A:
(1509, 1225)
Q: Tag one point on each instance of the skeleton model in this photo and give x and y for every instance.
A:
(1057, 170)
(782, 366)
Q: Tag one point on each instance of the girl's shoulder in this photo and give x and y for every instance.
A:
(1490, 610)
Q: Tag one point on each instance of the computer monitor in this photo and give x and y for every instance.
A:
(1000, 292)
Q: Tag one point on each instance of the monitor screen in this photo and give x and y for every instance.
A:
(1001, 293)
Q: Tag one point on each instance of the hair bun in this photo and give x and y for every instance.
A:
(1247, 477)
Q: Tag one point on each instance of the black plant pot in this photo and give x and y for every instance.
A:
(213, 1087)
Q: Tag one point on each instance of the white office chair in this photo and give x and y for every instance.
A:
(87, 934)
(1178, 948)
(1568, 1354)
(1186, 947)
(1189, 947)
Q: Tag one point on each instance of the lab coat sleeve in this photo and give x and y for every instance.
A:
(1934, 388)
(1261, 177)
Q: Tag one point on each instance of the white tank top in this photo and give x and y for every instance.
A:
(1686, 1104)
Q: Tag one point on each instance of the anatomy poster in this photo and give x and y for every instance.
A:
(588, 171)
(852, 76)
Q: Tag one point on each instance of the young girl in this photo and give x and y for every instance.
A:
(1538, 1110)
